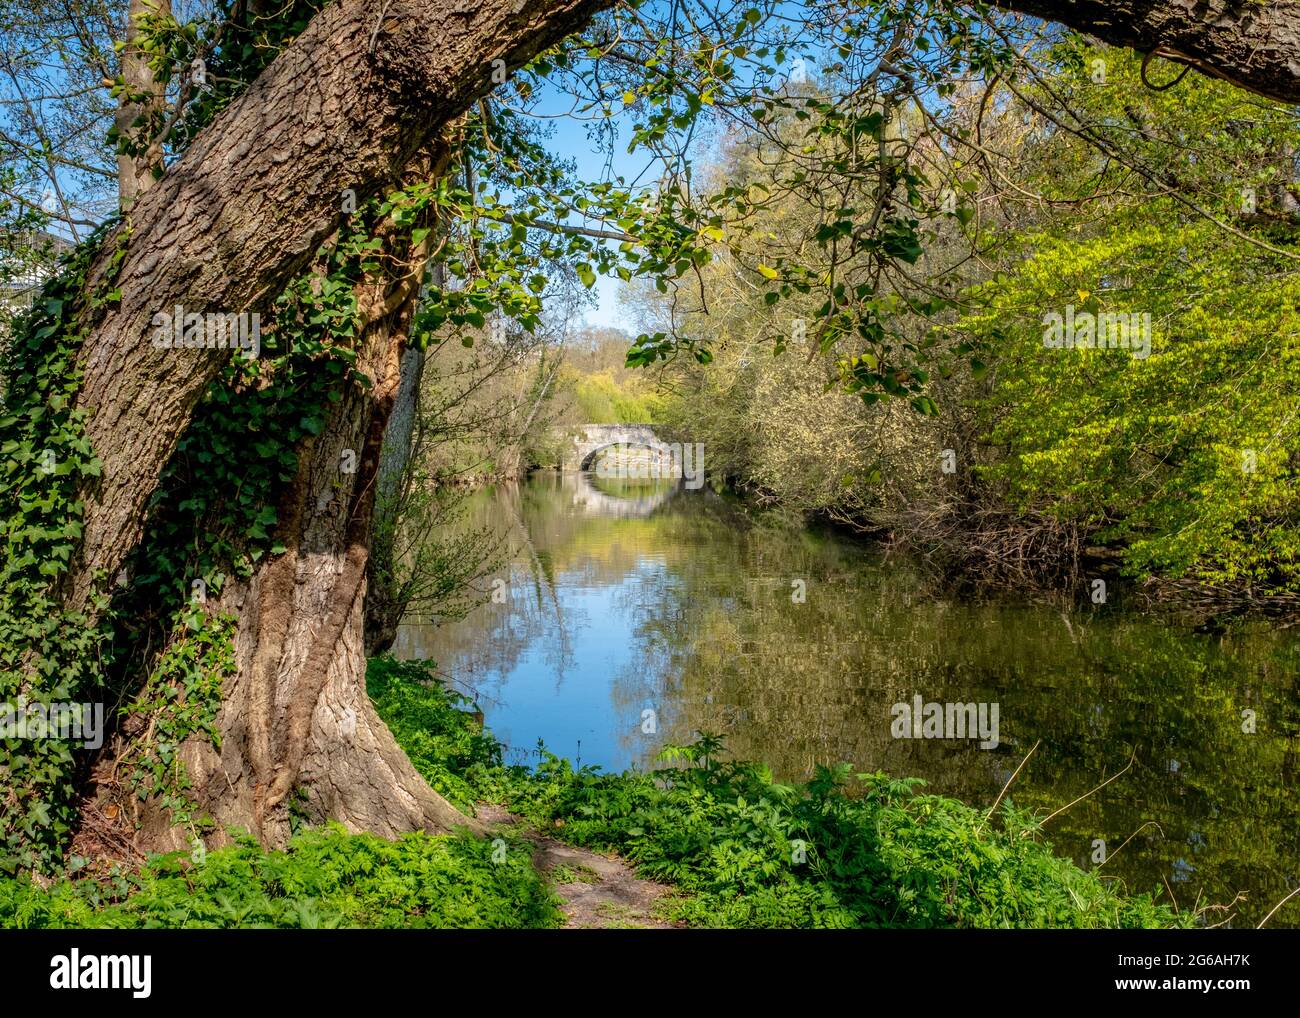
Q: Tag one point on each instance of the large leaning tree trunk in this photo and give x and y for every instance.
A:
(296, 726)
(353, 103)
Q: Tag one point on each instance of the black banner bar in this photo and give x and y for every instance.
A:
(151, 968)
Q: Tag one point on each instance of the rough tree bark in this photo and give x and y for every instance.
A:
(1256, 46)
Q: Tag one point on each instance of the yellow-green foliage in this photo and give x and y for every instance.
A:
(1187, 457)
(602, 399)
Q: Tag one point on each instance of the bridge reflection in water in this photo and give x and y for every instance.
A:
(598, 496)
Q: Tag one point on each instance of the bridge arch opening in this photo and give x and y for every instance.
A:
(661, 452)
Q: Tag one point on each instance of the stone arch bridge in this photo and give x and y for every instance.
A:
(591, 439)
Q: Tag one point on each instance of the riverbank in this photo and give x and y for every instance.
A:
(996, 550)
(733, 848)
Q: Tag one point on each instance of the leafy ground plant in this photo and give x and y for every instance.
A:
(327, 878)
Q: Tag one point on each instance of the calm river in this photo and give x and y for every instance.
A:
(632, 617)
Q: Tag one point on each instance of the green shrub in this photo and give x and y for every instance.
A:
(327, 878)
(843, 850)
(444, 742)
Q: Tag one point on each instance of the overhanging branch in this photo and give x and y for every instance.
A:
(1256, 46)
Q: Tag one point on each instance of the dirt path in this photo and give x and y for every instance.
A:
(596, 891)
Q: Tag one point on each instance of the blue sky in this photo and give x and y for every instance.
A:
(607, 312)
(570, 141)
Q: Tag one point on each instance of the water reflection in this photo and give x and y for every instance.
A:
(622, 499)
(628, 597)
